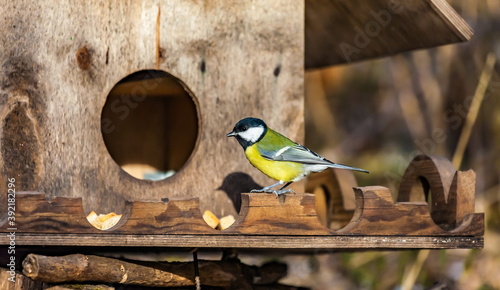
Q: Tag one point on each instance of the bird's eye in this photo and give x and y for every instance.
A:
(244, 128)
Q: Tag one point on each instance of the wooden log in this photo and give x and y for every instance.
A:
(18, 281)
(82, 268)
(79, 287)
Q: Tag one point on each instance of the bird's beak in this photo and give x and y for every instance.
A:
(231, 134)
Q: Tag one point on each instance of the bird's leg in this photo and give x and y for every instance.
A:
(281, 191)
(268, 188)
(278, 192)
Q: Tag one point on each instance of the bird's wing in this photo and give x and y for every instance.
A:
(294, 153)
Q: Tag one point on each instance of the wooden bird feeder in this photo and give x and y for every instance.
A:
(100, 103)
(267, 222)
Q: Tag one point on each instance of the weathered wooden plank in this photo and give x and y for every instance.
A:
(261, 214)
(248, 241)
(265, 214)
(377, 214)
(342, 31)
(175, 217)
(41, 213)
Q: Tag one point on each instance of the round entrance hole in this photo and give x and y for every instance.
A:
(149, 124)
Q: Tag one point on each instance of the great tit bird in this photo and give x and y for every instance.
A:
(277, 156)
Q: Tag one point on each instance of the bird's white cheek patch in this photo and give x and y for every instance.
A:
(252, 134)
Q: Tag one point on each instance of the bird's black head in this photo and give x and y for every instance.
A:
(248, 131)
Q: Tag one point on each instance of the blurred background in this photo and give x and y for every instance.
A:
(378, 115)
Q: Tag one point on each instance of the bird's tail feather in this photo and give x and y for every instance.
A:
(340, 166)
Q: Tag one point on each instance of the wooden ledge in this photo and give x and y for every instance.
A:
(265, 220)
(301, 243)
(261, 214)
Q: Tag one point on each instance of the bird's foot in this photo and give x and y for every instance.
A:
(276, 192)
(280, 192)
(264, 190)
(259, 190)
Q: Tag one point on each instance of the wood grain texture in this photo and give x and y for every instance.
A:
(80, 268)
(79, 287)
(264, 214)
(239, 59)
(35, 212)
(175, 217)
(377, 214)
(261, 214)
(333, 190)
(40, 213)
(342, 31)
(160, 132)
(21, 282)
(21, 155)
(440, 181)
(307, 243)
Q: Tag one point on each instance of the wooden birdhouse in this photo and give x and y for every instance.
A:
(98, 100)
(120, 106)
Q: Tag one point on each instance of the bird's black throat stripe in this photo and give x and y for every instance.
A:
(244, 143)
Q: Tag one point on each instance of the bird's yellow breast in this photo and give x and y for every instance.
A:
(278, 170)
